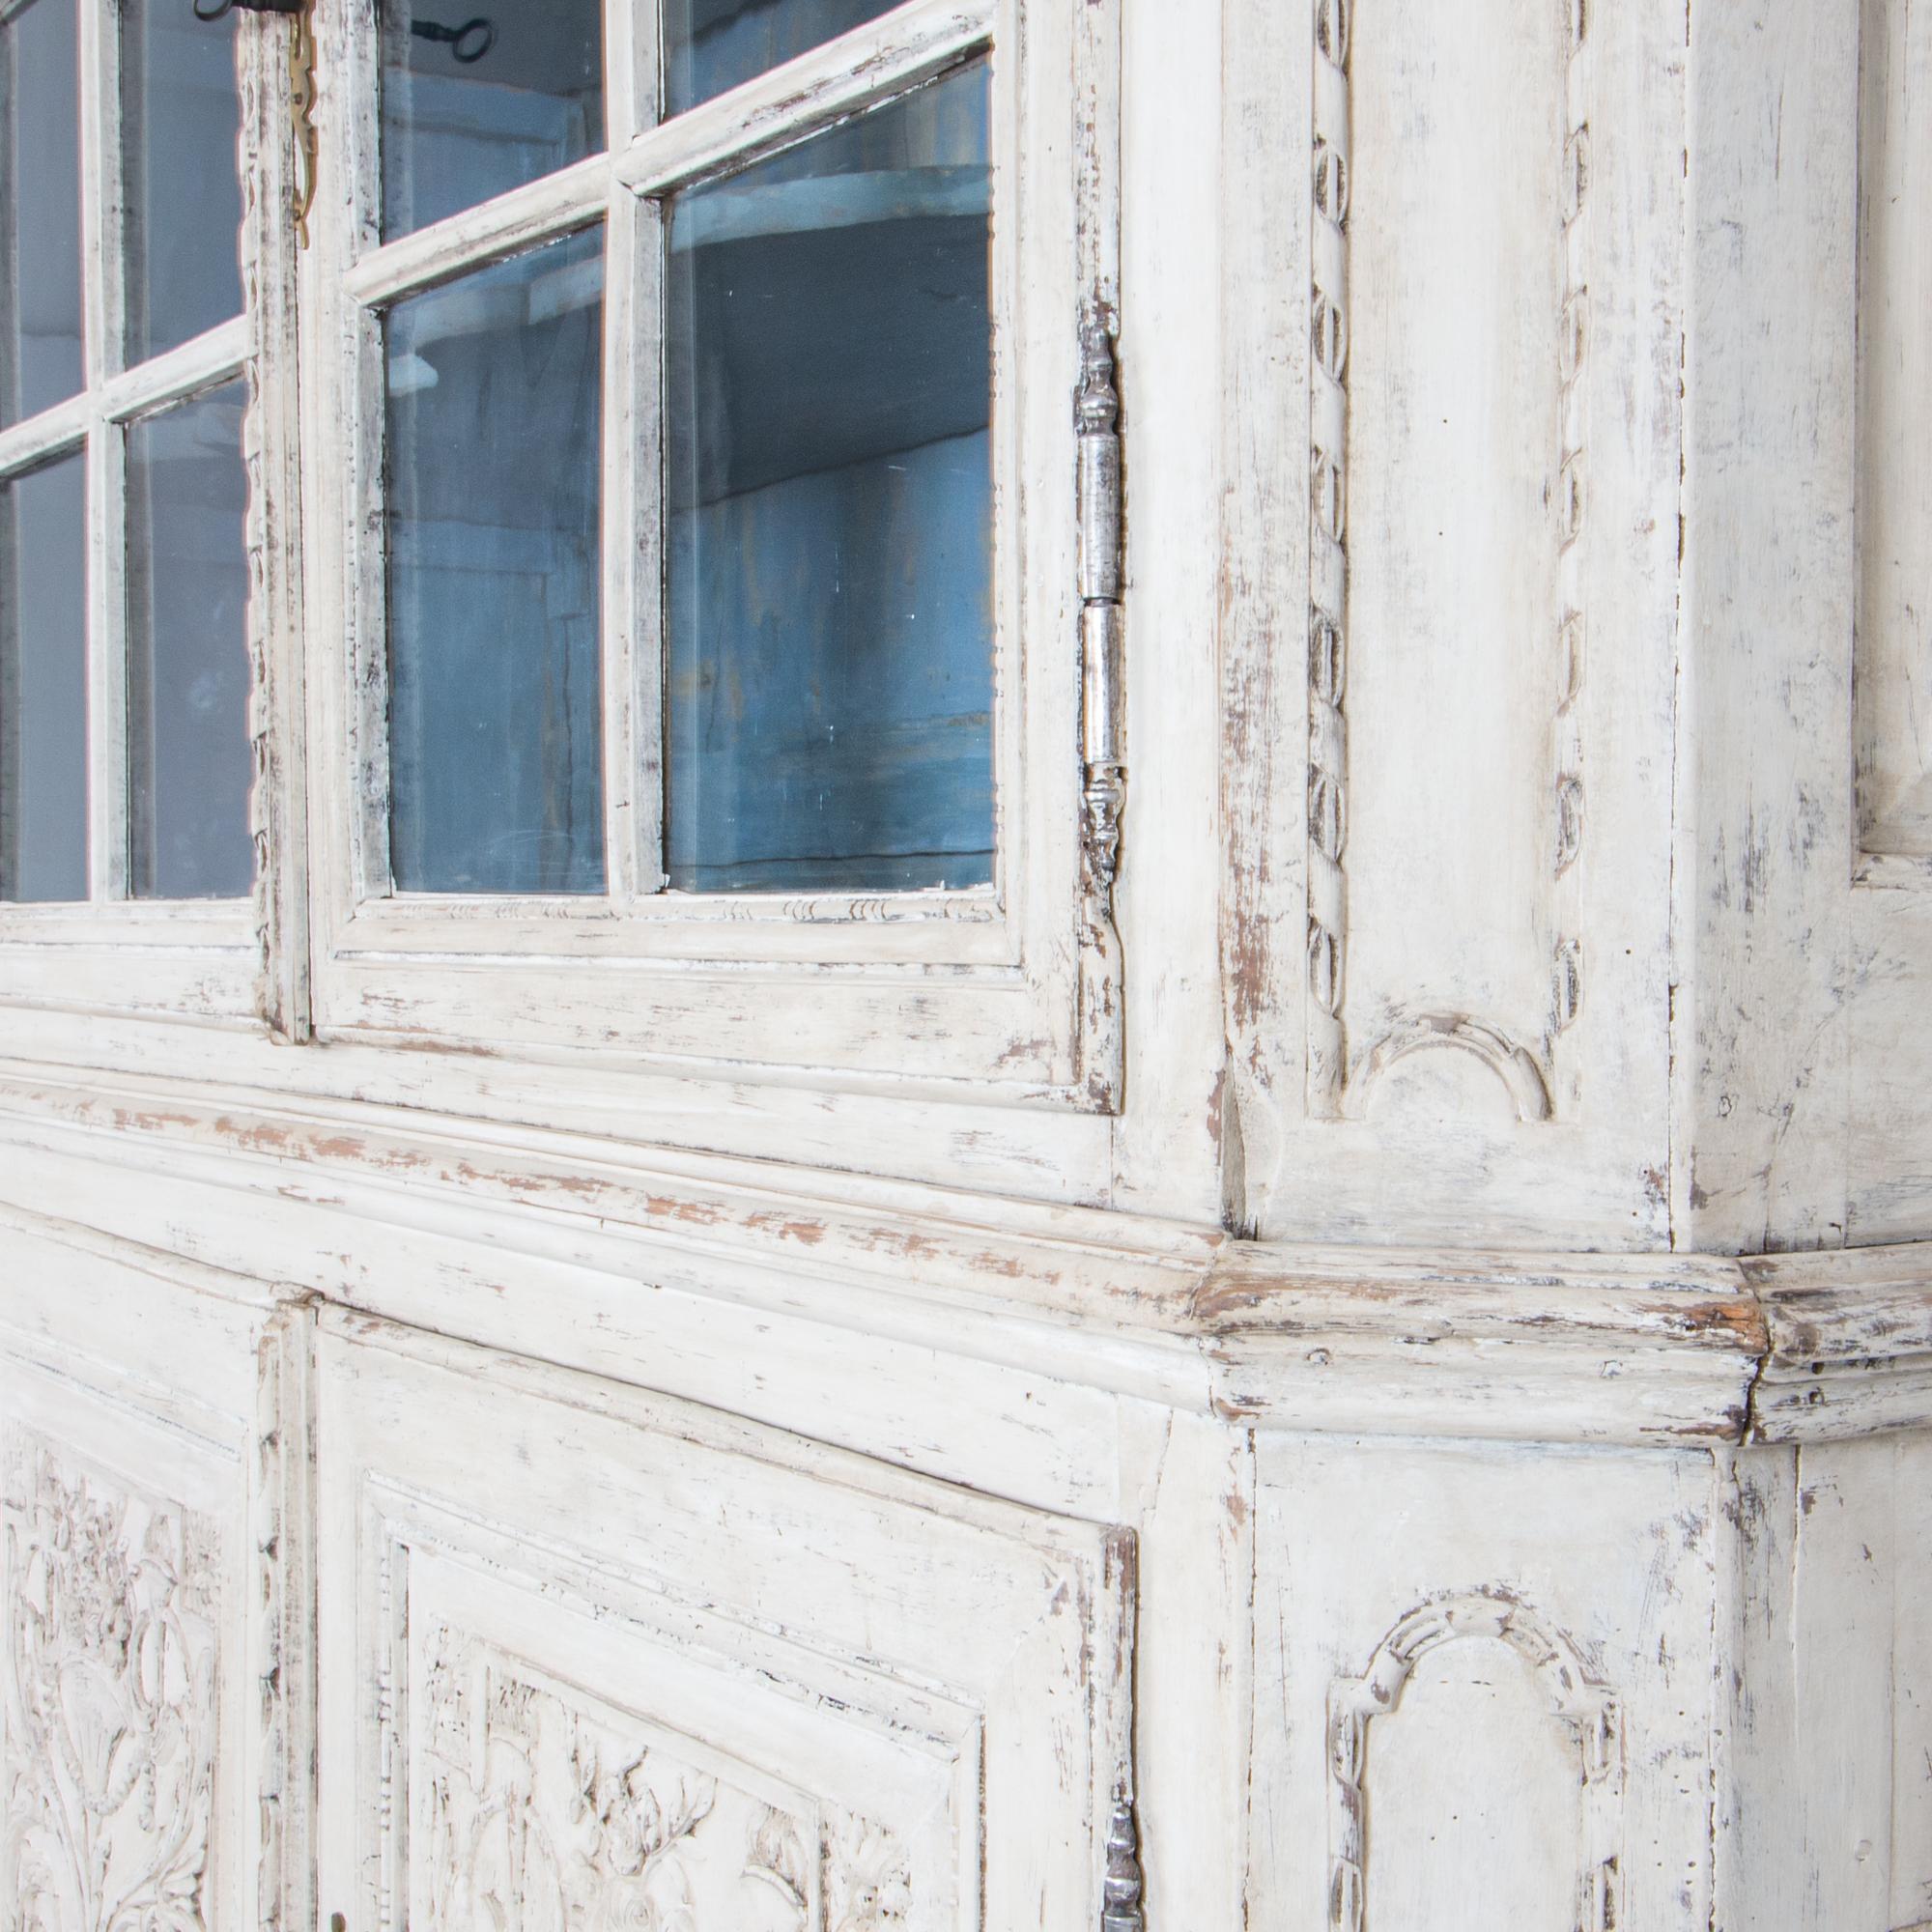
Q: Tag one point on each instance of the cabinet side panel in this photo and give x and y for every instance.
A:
(1456, 524)
(1764, 979)
(1912, 1686)
(1894, 644)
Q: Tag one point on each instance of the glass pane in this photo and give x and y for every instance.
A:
(39, 209)
(179, 117)
(189, 765)
(830, 689)
(711, 44)
(473, 104)
(496, 768)
(43, 683)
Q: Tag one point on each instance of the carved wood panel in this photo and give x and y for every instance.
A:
(1499, 1724)
(597, 1659)
(1545, 1769)
(1449, 502)
(540, 1805)
(156, 1739)
(111, 1657)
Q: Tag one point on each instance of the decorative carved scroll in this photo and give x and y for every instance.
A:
(1513, 1064)
(1587, 1711)
(1096, 412)
(533, 1807)
(1328, 567)
(1573, 507)
(112, 1607)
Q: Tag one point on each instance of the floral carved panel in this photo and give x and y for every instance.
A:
(111, 1648)
(536, 1809)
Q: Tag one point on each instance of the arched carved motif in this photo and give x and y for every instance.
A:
(1587, 1711)
(1515, 1066)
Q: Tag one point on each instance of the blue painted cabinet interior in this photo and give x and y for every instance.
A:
(829, 700)
(828, 673)
(43, 683)
(495, 776)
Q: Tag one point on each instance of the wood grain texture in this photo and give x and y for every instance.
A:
(1821, 1765)
(1894, 665)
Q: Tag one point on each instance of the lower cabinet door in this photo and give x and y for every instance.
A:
(145, 1691)
(590, 1658)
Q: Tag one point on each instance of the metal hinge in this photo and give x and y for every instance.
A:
(1098, 416)
(1122, 1910)
(1098, 501)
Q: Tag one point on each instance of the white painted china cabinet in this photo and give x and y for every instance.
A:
(966, 965)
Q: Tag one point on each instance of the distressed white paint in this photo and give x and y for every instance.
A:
(1453, 1439)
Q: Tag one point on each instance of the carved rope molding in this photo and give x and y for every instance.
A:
(112, 1612)
(1588, 1712)
(1328, 565)
(1333, 1087)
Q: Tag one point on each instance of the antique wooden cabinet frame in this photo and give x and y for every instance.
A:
(1347, 1345)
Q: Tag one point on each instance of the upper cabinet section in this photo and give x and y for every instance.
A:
(1805, 875)
(697, 584)
(1600, 757)
(1447, 1007)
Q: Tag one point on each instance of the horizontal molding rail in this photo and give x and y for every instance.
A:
(1630, 1349)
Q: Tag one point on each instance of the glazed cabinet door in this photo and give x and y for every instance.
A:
(591, 1657)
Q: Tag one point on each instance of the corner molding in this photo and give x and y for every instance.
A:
(1849, 1350)
(281, 1637)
